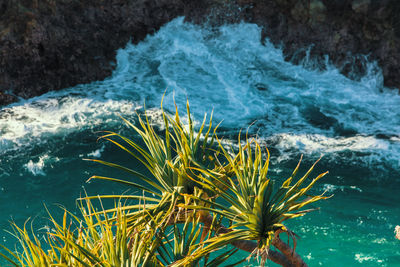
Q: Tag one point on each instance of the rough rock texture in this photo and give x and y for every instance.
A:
(52, 44)
(341, 29)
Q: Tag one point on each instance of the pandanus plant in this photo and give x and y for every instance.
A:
(199, 198)
(253, 205)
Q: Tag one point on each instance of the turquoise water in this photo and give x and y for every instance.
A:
(293, 109)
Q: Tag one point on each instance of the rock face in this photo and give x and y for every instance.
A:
(341, 29)
(52, 44)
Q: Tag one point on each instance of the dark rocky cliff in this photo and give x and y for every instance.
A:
(52, 44)
(341, 29)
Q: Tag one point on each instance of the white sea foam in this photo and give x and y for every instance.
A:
(367, 149)
(97, 152)
(227, 70)
(60, 113)
(37, 167)
(330, 188)
(361, 258)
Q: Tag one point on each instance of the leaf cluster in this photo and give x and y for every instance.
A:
(197, 187)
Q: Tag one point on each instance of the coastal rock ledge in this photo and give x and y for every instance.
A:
(52, 44)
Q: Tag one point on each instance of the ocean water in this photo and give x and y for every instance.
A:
(293, 109)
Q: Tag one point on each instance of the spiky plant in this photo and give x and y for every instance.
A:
(95, 240)
(171, 159)
(89, 240)
(254, 206)
(167, 157)
(196, 189)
